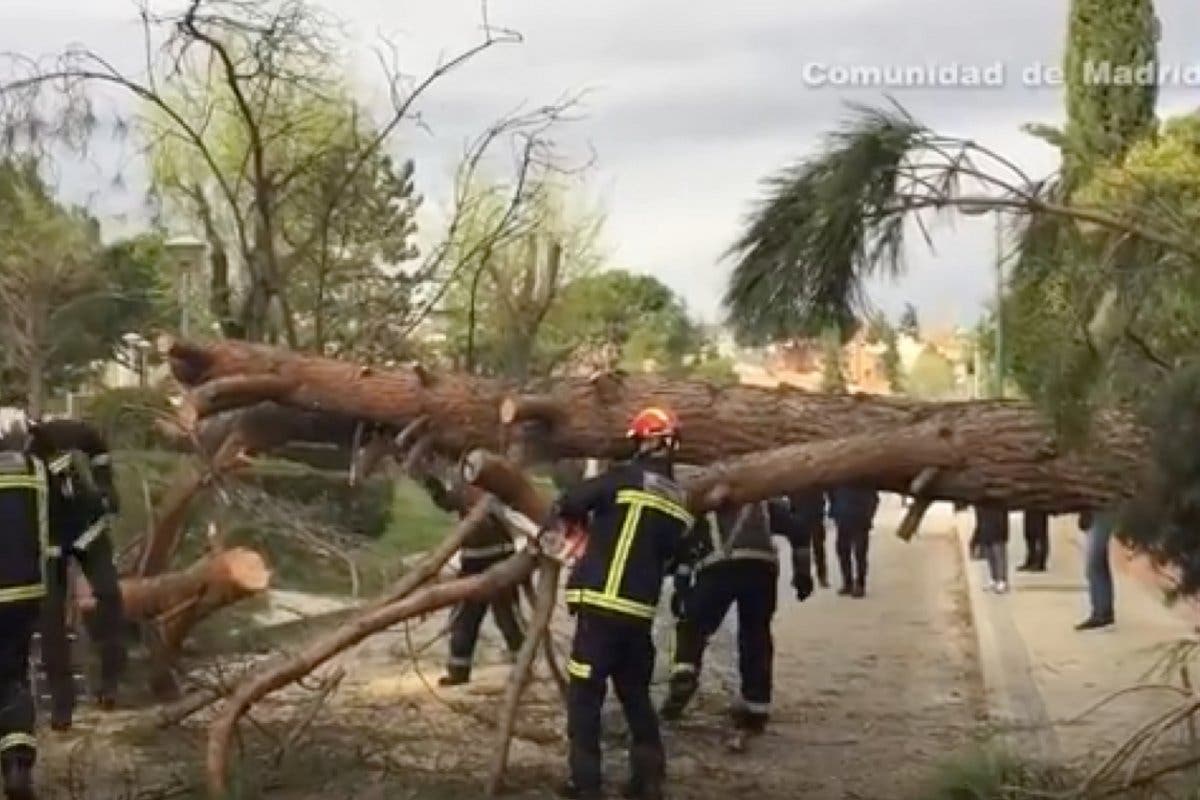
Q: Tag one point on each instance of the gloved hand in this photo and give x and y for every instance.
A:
(678, 605)
(802, 577)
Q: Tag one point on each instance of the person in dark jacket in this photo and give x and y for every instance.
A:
(637, 533)
(991, 528)
(79, 459)
(853, 511)
(1037, 541)
(738, 564)
(809, 510)
(487, 546)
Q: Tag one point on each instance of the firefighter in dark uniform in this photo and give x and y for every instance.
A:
(79, 459)
(487, 546)
(853, 511)
(739, 564)
(637, 533)
(809, 509)
(25, 491)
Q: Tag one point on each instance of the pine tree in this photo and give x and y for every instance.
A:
(910, 321)
(892, 368)
(833, 377)
(1107, 41)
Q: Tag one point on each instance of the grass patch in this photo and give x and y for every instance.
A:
(990, 773)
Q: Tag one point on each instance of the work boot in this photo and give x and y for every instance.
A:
(647, 766)
(860, 589)
(1095, 623)
(570, 791)
(682, 687)
(18, 779)
(846, 590)
(455, 676)
(106, 700)
(822, 576)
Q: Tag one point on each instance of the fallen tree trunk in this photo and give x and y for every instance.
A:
(1004, 451)
(231, 374)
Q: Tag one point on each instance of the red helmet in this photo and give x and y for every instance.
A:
(653, 423)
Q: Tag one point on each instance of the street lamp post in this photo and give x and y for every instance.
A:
(186, 252)
(999, 305)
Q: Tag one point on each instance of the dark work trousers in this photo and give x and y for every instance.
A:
(621, 650)
(852, 540)
(467, 617)
(751, 584)
(17, 624)
(103, 626)
(1037, 540)
(817, 536)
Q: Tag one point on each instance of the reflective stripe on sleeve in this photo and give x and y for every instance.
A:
(11, 740)
(577, 669)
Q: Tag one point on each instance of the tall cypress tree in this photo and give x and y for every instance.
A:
(1108, 38)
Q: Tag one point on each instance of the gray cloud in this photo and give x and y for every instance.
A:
(695, 101)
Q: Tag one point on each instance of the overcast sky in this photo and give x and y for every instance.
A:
(690, 104)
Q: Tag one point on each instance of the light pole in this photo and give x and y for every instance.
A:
(186, 252)
(998, 341)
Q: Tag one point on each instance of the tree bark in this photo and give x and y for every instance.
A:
(1004, 452)
(230, 374)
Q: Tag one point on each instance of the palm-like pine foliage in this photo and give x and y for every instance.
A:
(830, 222)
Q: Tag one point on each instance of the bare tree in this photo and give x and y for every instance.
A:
(242, 94)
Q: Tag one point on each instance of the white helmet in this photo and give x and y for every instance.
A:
(13, 421)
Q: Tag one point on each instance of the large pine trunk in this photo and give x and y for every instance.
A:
(984, 451)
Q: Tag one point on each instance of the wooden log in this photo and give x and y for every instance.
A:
(210, 583)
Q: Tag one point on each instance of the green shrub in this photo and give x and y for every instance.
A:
(364, 510)
(127, 416)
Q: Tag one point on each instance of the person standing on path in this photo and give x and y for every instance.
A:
(991, 531)
(488, 545)
(637, 534)
(1099, 527)
(1037, 541)
(809, 510)
(853, 511)
(737, 563)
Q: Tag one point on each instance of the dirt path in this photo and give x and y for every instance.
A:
(868, 693)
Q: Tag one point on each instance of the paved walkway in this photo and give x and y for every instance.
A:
(1039, 674)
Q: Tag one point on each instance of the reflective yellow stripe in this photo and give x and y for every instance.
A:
(15, 594)
(60, 464)
(20, 482)
(579, 670)
(12, 740)
(92, 533)
(655, 501)
(588, 597)
(616, 570)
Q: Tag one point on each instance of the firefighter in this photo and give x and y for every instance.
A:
(25, 508)
(78, 458)
(739, 565)
(637, 531)
(488, 545)
(853, 511)
(809, 509)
